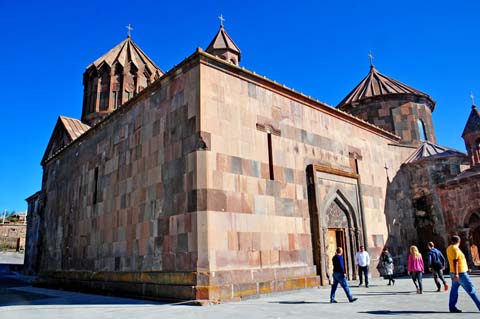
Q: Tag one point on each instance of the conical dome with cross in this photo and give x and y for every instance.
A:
(223, 46)
(393, 106)
(116, 77)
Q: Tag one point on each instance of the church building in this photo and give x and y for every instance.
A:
(210, 183)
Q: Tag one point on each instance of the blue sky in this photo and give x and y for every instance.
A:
(316, 47)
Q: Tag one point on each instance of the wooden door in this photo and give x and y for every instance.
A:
(336, 238)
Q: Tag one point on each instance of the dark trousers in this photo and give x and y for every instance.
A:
(438, 273)
(364, 271)
(417, 278)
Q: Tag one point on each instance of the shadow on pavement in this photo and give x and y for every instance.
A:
(299, 302)
(383, 293)
(403, 312)
(14, 292)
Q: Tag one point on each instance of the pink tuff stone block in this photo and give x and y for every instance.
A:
(234, 202)
(245, 241)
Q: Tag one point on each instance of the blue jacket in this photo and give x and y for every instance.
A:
(436, 259)
(338, 264)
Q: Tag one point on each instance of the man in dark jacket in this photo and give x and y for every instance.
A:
(340, 277)
(436, 264)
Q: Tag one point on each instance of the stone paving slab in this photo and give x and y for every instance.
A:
(378, 301)
(8, 257)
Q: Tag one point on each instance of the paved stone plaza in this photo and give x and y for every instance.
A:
(20, 300)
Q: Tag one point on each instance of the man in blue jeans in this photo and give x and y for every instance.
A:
(459, 275)
(340, 277)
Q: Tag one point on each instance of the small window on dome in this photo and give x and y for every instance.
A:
(421, 131)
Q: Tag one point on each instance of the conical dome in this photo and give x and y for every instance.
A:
(471, 136)
(127, 52)
(428, 150)
(473, 122)
(224, 47)
(376, 84)
(393, 106)
(114, 78)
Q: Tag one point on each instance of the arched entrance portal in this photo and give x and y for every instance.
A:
(339, 225)
(336, 218)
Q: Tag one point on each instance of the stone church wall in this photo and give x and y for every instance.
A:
(414, 211)
(398, 115)
(460, 200)
(259, 232)
(120, 202)
(197, 188)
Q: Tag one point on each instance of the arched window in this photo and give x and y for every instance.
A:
(421, 131)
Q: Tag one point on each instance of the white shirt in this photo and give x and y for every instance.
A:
(362, 259)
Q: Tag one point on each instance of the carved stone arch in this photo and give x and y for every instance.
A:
(472, 217)
(340, 217)
(336, 217)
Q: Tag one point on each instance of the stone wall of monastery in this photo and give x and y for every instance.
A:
(120, 199)
(398, 115)
(261, 225)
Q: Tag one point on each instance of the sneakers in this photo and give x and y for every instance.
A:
(353, 299)
(333, 301)
(456, 310)
(446, 287)
(438, 289)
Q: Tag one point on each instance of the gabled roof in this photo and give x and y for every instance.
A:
(73, 127)
(125, 52)
(429, 150)
(222, 41)
(473, 122)
(377, 84)
(65, 132)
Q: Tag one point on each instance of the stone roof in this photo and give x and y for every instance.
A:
(377, 84)
(125, 52)
(473, 122)
(471, 172)
(65, 132)
(73, 127)
(429, 150)
(222, 41)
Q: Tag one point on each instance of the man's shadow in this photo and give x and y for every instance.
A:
(404, 312)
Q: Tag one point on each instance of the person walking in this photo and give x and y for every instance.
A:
(416, 268)
(436, 265)
(362, 260)
(340, 277)
(386, 262)
(459, 275)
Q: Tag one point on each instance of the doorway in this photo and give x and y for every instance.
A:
(335, 218)
(336, 238)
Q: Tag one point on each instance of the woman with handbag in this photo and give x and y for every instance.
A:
(386, 262)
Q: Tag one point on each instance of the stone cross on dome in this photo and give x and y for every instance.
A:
(222, 19)
(370, 56)
(129, 28)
